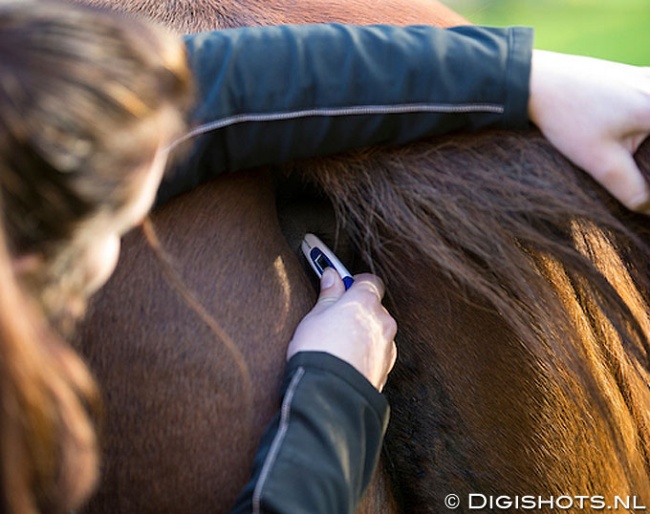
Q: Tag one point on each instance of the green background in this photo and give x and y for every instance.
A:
(610, 29)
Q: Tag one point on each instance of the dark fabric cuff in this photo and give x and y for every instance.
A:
(330, 364)
(518, 78)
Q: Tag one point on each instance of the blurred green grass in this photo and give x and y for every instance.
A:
(610, 29)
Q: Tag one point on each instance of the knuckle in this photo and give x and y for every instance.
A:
(391, 323)
(390, 326)
(368, 296)
(367, 281)
(601, 165)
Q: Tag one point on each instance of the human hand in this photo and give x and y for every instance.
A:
(597, 113)
(352, 325)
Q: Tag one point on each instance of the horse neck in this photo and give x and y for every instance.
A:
(190, 16)
(525, 286)
(359, 12)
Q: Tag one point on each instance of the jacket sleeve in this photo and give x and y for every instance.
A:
(267, 95)
(321, 450)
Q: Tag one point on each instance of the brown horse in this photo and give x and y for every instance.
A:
(519, 286)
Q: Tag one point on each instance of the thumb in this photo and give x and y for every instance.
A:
(639, 197)
(624, 180)
(331, 289)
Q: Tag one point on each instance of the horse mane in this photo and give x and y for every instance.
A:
(489, 224)
(513, 227)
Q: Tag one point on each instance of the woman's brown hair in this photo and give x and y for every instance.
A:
(86, 98)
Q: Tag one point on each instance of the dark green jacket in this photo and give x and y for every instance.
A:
(321, 449)
(269, 95)
(272, 94)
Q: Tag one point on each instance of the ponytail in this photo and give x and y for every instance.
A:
(48, 446)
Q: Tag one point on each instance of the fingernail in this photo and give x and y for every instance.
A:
(644, 208)
(328, 278)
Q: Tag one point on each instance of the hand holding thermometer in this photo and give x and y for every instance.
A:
(321, 257)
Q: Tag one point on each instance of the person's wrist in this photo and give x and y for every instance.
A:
(538, 78)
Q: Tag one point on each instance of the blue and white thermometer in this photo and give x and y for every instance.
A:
(321, 257)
